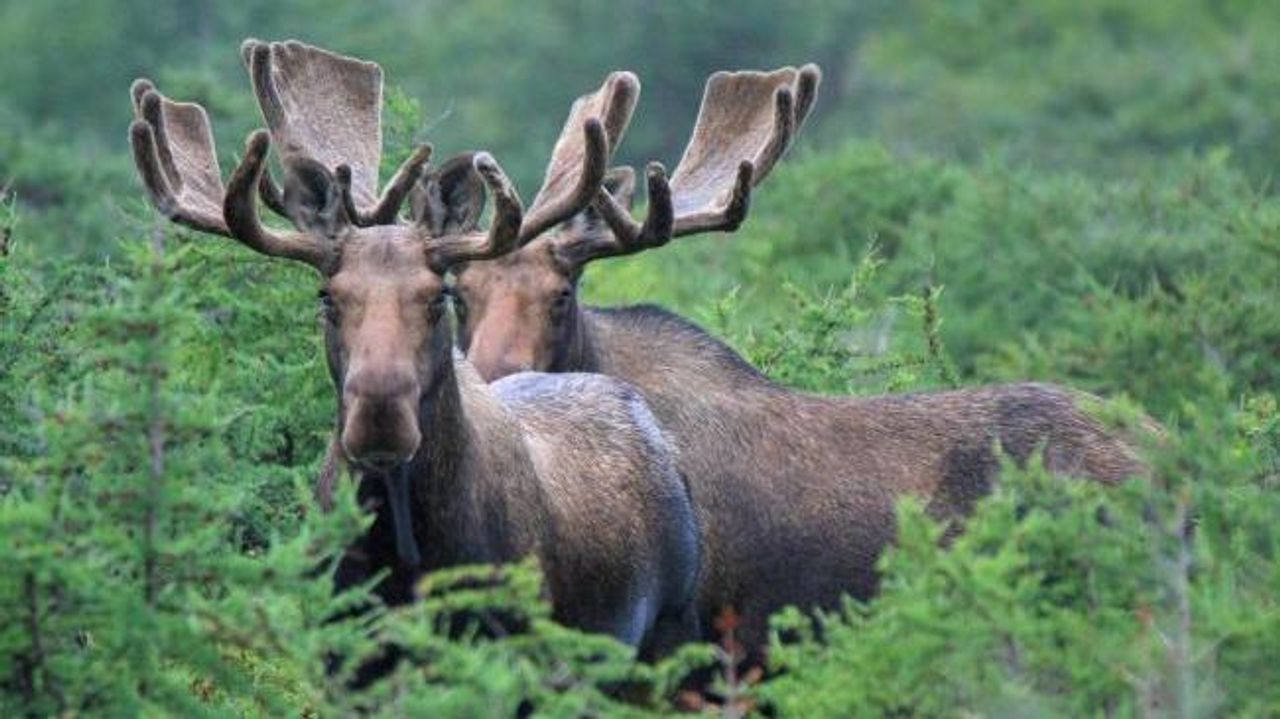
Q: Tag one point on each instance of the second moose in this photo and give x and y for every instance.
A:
(795, 492)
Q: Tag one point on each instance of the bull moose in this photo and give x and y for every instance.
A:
(795, 492)
(572, 468)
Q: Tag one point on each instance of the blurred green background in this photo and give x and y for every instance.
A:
(1105, 87)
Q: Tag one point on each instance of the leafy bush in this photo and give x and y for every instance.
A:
(1111, 86)
(1061, 599)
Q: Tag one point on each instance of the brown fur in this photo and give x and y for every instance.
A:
(795, 492)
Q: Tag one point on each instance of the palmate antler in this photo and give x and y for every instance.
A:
(579, 157)
(174, 153)
(328, 107)
(747, 121)
(323, 109)
(446, 197)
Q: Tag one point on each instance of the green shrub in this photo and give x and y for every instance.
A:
(1062, 599)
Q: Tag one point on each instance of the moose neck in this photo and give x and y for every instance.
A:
(662, 354)
(472, 484)
(578, 353)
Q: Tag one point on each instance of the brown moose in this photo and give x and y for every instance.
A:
(795, 492)
(571, 467)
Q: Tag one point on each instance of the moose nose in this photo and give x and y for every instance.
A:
(380, 428)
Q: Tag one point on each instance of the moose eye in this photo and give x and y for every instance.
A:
(562, 301)
(327, 305)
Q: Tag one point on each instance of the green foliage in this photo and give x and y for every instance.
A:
(121, 595)
(842, 342)
(1061, 599)
(508, 657)
(1110, 85)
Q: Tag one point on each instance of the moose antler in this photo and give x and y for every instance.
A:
(240, 210)
(596, 123)
(746, 122)
(328, 107)
(323, 110)
(175, 156)
(174, 153)
(448, 198)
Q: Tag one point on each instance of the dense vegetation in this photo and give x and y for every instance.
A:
(1077, 193)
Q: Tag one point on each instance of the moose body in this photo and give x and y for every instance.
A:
(795, 491)
(570, 468)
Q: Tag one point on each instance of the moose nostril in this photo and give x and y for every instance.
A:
(380, 441)
(379, 460)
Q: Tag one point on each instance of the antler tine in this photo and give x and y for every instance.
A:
(174, 154)
(503, 236)
(627, 235)
(329, 107)
(240, 210)
(271, 194)
(579, 158)
(806, 92)
(393, 195)
(558, 200)
(746, 123)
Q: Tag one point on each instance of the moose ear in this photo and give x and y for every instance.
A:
(621, 183)
(313, 197)
(588, 226)
(449, 200)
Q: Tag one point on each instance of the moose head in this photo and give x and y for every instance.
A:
(520, 311)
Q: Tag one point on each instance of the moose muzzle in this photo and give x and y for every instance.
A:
(380, 424)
